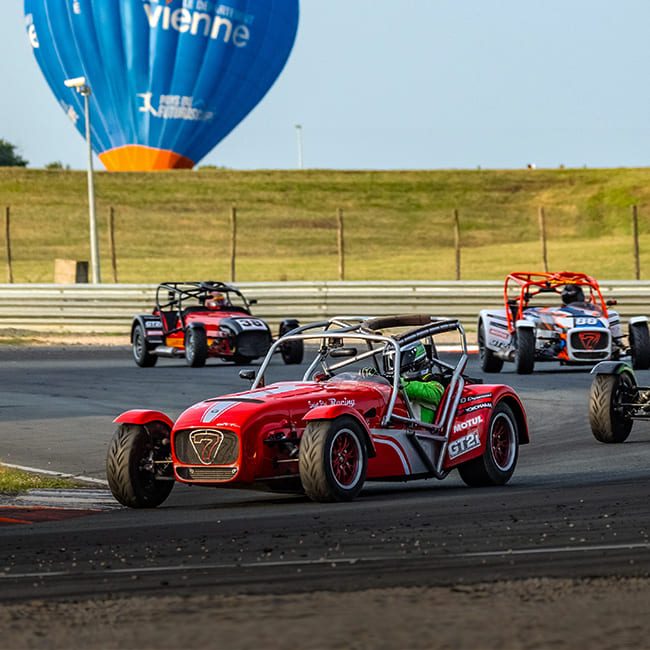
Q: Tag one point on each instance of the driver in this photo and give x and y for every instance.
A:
(572, 293)
(418, 383)
(216, 300)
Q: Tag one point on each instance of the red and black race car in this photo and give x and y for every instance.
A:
(197, 320)
(345, 421)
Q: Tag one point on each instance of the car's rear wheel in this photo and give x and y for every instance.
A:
(139, 465)
(333, 459)
(292, 351)
(489, 360)
(141, 354)
(606, 417)
(499, 459)
(196, 347)
(525, 350)
(639, 337)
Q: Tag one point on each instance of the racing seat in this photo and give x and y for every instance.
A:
(169, 320)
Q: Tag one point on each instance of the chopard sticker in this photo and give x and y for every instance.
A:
(464, 444)
(474, 398)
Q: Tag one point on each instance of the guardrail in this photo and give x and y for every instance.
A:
(109, 308)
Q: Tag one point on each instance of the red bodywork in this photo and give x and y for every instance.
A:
(253, 436)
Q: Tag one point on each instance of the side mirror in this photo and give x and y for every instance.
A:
(247, 373)
(253, 301)
(611, 302)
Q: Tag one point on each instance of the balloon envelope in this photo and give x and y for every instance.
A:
(169, 79)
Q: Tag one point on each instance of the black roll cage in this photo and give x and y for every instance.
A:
(180, 292)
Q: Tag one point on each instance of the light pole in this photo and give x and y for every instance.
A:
(299, 134)
(80, 85)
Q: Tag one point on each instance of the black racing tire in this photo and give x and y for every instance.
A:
(131, 472)
(196, 347)
(333, 459)
(499, 459)
(292, 352)
(639, 337)
(607, 423)
(525, 351)
(489, 360)
(141, 354)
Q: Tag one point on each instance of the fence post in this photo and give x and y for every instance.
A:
(10, 270)
(233, 242)
(542, 235)
(111, 242)
(635, 233)
(341, 244)
(457, 242)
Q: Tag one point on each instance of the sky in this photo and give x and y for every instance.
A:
(410, 84)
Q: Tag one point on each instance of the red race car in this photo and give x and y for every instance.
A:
(347, 420)
(197, 320)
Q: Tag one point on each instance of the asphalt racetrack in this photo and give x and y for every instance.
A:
(574, 510)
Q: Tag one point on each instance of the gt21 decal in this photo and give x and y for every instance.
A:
(153, 324)
(464, 444)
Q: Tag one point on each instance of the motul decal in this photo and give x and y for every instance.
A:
(206, 445)
(463, 445)
(216, 409)
(466, 424)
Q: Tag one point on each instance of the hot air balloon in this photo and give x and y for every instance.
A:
(169, 78)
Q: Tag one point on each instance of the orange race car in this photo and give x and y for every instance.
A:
(557, 317)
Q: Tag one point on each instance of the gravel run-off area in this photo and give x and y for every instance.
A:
(597, 614)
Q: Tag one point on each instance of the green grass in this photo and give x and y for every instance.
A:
(13, 481)
(398, 225)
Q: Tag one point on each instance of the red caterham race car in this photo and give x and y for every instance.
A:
(197, 320)
(557, 317)
(348, 419)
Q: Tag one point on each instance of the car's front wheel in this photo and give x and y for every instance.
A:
(525, 350)
(489, 360)
(333, 459)
(639, 337)
(196, 347)
(606, 416)
(499, 459)
(141, 354)
(292, 351)
(139, 465)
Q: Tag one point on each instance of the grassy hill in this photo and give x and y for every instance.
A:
(398, 225)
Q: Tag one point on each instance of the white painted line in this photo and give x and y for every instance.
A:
(47, 472)
(554, 550)
(319, 562)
